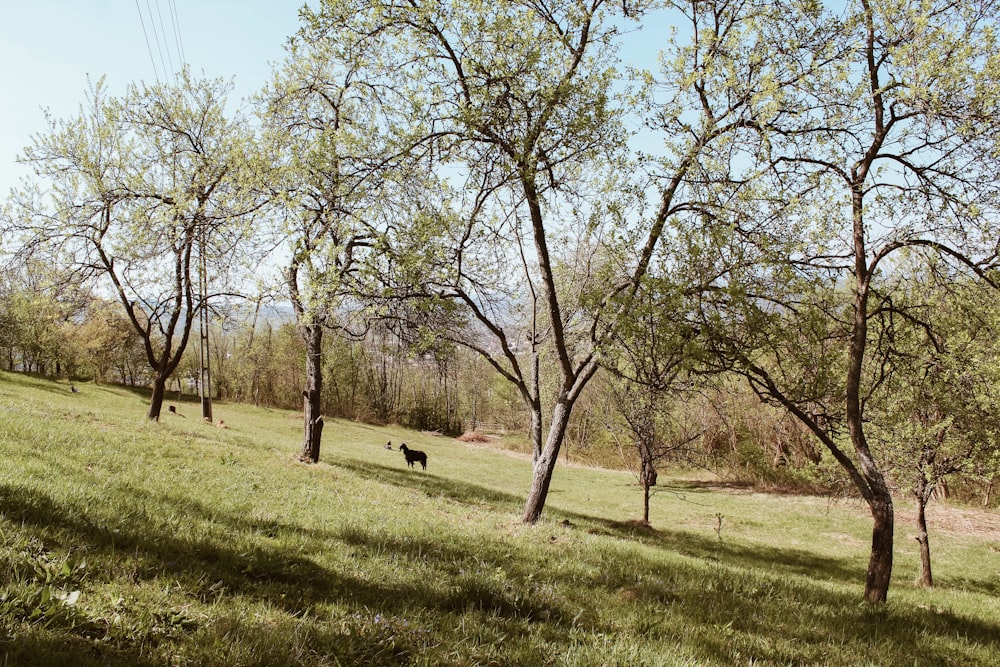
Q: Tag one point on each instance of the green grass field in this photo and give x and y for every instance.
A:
(124, 542)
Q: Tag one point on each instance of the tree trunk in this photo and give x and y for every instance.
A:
(648, 475)
(535, 409)
(925, 546)
(156, 400)
(545, 463)
(880, 562)
(311, 403)
(645, 503)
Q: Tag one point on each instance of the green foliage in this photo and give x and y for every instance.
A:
(473, 158)
(194, 545)
(134, 193)
(937, 413)
(38, 314)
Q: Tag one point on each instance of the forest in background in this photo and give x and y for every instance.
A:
(719, 425)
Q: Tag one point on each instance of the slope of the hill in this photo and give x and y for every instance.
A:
(124, 542)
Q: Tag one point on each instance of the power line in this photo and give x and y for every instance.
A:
(166, 49)
(148, 45)
(166, 43)
(177, 32)
(159, 46)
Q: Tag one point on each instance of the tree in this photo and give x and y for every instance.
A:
(109, 347)
(38, 311)
(521, 114)
(129, 193)
(938, 415)
(887, 146)
(325, 128)
(476, 71)
(651, 367)
(9, 327)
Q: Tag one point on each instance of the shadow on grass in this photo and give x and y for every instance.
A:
(146, 393)
(724, 595)
(721, 554)
(432, 485)
(792, 561)
(30, 380)
(776, 559)
(276, 575)
(985, 587)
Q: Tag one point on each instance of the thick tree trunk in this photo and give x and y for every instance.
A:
(874, 488)
(880, 562)
(156, 400)
(311, 398)
(545, 463)
(926, 579)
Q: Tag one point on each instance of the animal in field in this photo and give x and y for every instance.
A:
(413, 455)
(388, 445)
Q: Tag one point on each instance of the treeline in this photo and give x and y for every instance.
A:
(717, 424)
(64, 332)
(50, 330)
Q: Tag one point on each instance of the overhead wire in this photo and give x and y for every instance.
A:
(177, 32)
(163, 58)
(149, 47)
(166, 43)
(156, 37)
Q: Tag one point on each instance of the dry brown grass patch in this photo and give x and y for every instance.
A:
(955, 520)
(475, 436)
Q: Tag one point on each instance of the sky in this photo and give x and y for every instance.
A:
(49, 48)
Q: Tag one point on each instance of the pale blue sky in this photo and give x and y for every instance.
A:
(49, 47)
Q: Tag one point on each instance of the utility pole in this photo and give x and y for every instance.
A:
(205, 381)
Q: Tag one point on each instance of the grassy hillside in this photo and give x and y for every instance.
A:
(124, 542)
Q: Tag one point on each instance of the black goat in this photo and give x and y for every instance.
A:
(413, 455)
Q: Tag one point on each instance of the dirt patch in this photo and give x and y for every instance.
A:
(984, 524)
(475, 436)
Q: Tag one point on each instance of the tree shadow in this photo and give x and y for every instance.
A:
(433, 485)
(272, 573)
(36, 649)
(768, 558)
(507, 585)
(964, 584)
(776, 559)
(29, 380)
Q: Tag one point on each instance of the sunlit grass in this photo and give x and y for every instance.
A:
(125, 542)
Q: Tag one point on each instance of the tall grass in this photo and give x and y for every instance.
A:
(124, 542)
